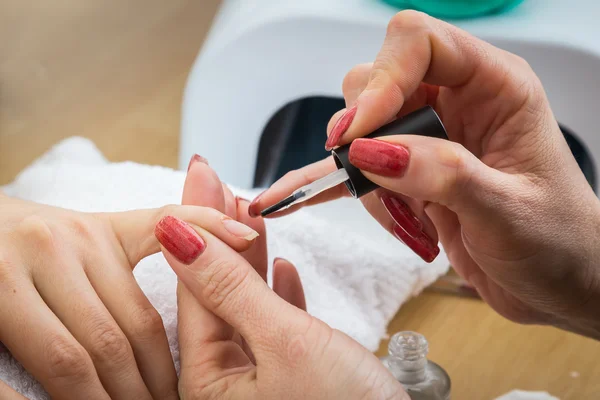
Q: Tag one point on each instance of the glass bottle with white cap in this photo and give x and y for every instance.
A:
(407, 361)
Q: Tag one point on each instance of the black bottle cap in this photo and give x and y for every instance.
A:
(424, 122)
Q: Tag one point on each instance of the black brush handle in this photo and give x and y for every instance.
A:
(424, 122)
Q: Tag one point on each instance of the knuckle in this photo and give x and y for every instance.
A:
(408, 20)
(291, 175)
(37, 232)
(109, 343)
(222, 279)
(67, 360)
(530, 83)
(314, 337)
(191, 390)
(460, 176)
(356, 76)
(169, 209)
(147, 323)
(521, 62)
(82, 228)
(8, 270)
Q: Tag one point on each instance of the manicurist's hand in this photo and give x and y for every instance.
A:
(70, 309)
(505, 196)
(241, 340)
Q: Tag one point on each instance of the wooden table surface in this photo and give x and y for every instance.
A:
(114, 71)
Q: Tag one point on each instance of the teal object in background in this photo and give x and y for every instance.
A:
(455, 9)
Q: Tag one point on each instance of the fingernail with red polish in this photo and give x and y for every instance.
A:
(340, 127)
(179, 239)
(402, 214)
(422, 244)
(253, 209)
(197, 158)
(379, 157)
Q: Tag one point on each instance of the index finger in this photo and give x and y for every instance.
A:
(293, 180)
(418, 48)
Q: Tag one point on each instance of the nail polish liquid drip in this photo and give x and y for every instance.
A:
(407, 361)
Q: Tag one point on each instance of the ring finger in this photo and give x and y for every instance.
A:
(93, 326)
(42, 344)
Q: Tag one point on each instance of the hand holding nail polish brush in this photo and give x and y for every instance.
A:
(515, 214)
(423, 122)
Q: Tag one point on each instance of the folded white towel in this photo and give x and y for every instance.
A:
(355, 274)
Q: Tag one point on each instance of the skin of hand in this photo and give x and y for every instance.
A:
(515, 214)
(71, 310)
(242, 340)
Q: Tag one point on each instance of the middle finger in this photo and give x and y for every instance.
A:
(118, 289)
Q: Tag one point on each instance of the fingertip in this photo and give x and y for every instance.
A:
(245, 216)
(230, 201)
(256, 255)
(203, 187)
(254, 206)
(195, 159)
(287, 283)
(340, 128)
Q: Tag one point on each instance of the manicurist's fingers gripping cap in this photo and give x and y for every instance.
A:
(424, 122)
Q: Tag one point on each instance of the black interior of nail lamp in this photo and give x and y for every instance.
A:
(295, 136)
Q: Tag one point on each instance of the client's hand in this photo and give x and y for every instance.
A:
(280, 351)
(515, 214)
(70, 309)
(204, 188)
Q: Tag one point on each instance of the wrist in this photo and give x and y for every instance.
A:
(584, 317)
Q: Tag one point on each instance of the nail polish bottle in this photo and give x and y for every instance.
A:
(407, 361)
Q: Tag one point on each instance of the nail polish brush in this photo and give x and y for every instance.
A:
(424, 122)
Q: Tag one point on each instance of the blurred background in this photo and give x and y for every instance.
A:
(110, 70)
(115, 71)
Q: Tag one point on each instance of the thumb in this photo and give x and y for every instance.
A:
(429, 169)
(227, 285)
(134, 230)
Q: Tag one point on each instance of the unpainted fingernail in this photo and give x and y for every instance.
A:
(179, 239)
(238, 229)
(197, 158)
(340, 127)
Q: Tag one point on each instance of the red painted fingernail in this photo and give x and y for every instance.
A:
(402, 214)
(379, 157)
(340, 127)
(197, 158)
(253, 209)
(179, 239)
(422, 244)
